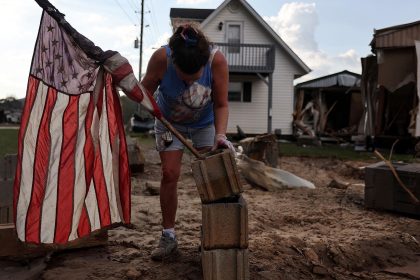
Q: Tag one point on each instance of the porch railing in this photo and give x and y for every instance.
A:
(248, 57)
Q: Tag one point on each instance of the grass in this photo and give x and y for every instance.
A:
(9, 138)
(335, 151)
(8, 145)
(8, 141)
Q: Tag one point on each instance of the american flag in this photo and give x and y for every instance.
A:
(73, 175)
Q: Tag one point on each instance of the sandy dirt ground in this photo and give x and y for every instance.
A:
(324, 233)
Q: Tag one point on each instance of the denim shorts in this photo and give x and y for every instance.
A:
(200, 137)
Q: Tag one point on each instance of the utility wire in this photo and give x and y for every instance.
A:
(137, 16)
(132, 5)
(132, 21)
(152, 14)
(153, 25)
(153, 35)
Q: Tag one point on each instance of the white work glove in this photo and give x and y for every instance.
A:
(220, 141)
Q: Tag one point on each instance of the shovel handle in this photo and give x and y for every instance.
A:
(172, 129)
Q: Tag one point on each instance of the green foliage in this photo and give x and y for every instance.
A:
(9, 138)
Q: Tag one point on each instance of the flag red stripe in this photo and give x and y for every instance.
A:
(124, 180)
(42, 154)
(29, 102)
(100, 101)
(65, 185)
(101, 192)
(88, 152)
(84, 227)
(121, 72)
(156, 110)
(110, 100)
(99, 179)
(136, 94)
(117, 129)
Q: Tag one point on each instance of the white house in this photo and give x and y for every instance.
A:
(261, 65)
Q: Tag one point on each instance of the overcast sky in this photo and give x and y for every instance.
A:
(328, 35)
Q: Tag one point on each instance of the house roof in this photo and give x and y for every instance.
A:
(341, 79)
(197, 14)
(214, 13)
(397, 36)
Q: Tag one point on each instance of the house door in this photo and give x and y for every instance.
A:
(233, 38)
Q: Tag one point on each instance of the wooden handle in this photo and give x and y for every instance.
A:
(181, 138)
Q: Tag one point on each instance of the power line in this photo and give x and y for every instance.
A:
(152, 32)
(132, 21)
(149, 24)
(153, 16)
(131, 4)
(153, 26)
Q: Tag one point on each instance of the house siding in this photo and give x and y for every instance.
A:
(252, 117)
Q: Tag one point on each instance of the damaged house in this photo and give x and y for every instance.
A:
(329, 105)
(390, 86)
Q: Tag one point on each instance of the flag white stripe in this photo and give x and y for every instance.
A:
(94, 130)
(129, 82)
(49, 207)
(80, 178)
(116, 164)
(91, 200)
(92, 208)
(107, 160)
(28, 156)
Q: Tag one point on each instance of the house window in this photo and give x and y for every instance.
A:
(234, 37)
(240, 92)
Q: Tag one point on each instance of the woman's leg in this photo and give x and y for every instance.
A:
(171, 167)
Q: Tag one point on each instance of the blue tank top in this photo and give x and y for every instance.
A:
(188, 105)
